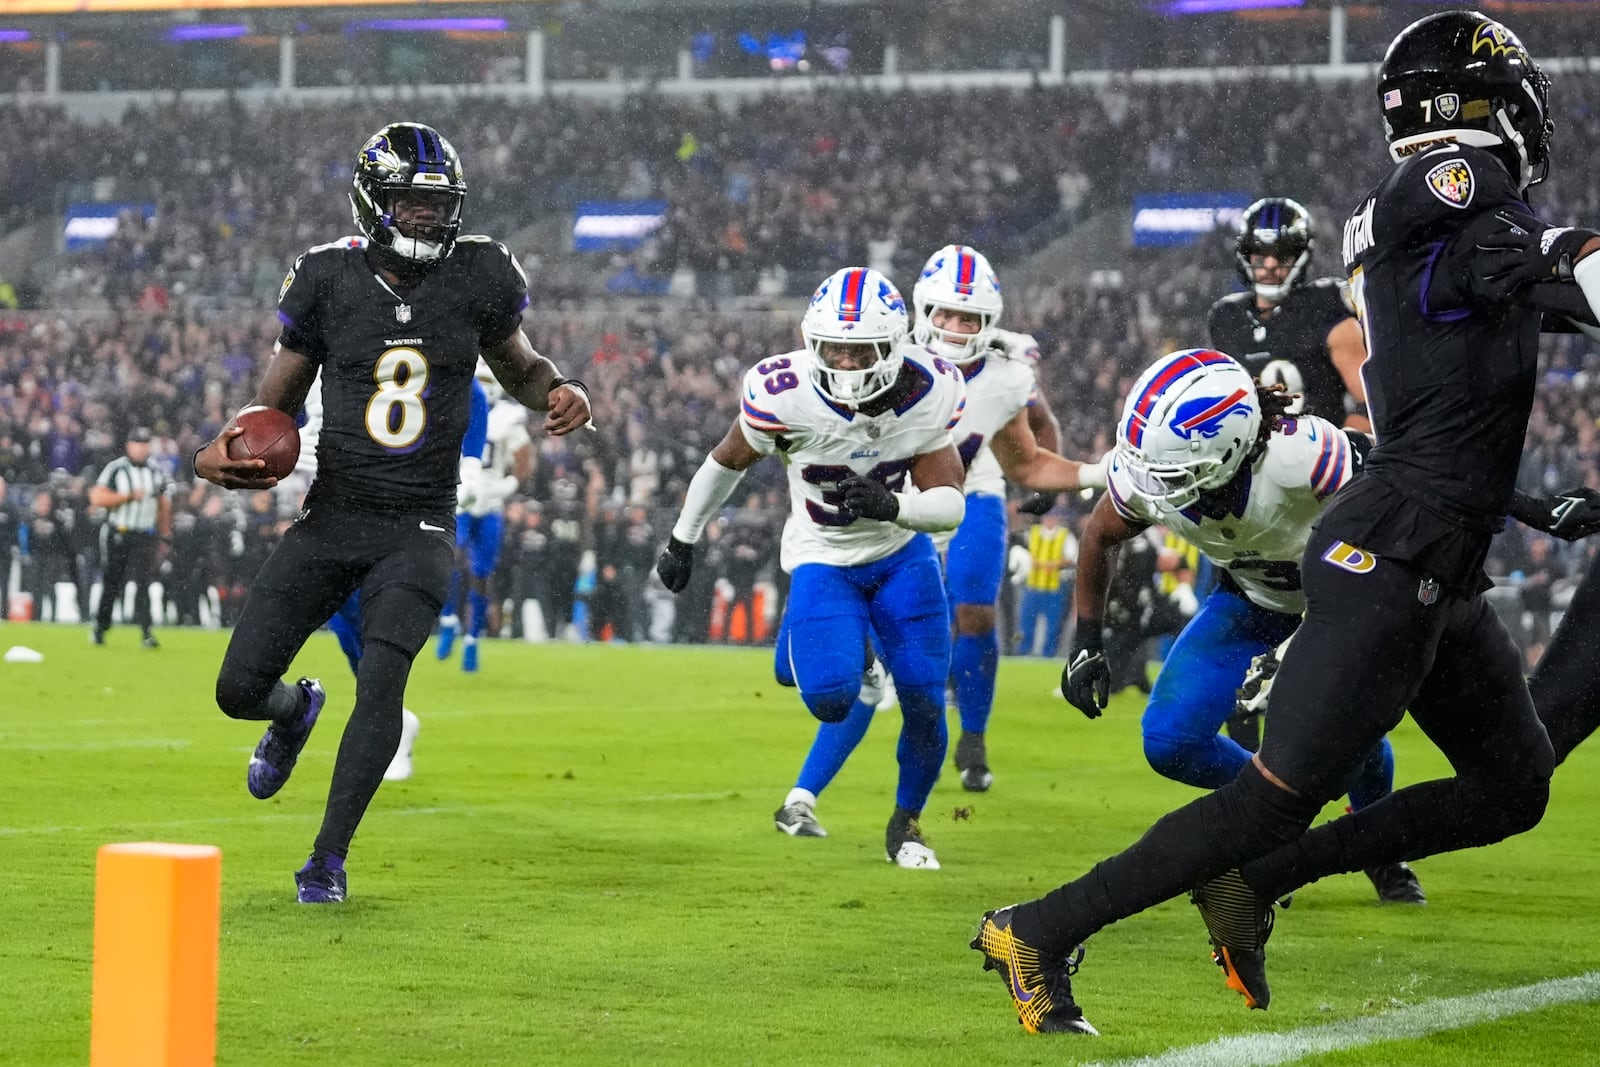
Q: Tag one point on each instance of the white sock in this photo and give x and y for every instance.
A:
(800, 796)
(449, 621)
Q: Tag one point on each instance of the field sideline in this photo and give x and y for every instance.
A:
(584, 870)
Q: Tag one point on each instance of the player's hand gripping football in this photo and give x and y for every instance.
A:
(675, 564)
(1086, 677)
(867, 498)
(1526, 252)
(569, 410)
(215, 465)
(1570, 515)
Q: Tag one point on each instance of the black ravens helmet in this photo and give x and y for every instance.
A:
(1279, 227)
(407, 161)
(1461, 76)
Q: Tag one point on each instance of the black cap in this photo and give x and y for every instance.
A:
(139, 433)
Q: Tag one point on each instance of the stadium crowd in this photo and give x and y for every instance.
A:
(170, 320)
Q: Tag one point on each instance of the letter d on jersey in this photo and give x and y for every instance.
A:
(1350, 558)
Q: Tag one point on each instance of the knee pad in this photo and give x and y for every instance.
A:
(241, 691)
(1168, 755)
(1254, 817)
(831, 706)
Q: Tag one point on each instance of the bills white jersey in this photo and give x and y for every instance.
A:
(310, 423)
(507, 435)
(822, 443)
(999, 385)
(1261, 539)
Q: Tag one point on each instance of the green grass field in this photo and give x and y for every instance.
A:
(584, 870)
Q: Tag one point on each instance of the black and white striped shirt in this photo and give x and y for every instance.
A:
(122, 475)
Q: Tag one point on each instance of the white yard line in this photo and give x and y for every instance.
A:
(221, 820)
(92, 746)
(1417, 1020)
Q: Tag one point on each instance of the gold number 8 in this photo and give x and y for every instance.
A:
(396, 415)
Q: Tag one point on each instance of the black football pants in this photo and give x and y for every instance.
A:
(401, 565)
(130, 556)
(1370, 648)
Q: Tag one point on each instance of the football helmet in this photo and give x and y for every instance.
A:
(1461, 76)
(855, 306)
(408, 157)
(1189, 424)
(1279, 227)
(956, 278)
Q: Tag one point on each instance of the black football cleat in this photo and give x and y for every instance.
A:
(972, 761)
(1040, 992)
(1397, 884)
(1238, 922)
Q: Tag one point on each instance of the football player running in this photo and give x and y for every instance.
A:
(1215, 458)
(394, 320)
(1450, 274)
(858, 420)
(489, 477)
(958, 307)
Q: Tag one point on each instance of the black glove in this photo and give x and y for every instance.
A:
(1086, 677)
(1037, 503)
(1570, 515)
(866, 498)
(1527, 252)
(675, 564)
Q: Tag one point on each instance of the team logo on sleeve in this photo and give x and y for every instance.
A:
(1451, 182)
(1205, 415)
(1349, 558)
(288, 280)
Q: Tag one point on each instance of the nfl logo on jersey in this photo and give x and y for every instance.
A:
(402, 313)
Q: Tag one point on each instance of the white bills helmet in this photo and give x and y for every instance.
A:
(1189, 424)
(856, 306)
(957, 278)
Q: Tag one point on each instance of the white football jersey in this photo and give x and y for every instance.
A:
(507, 435)
(998, 387)
(1261, 543)
(822, 443)
(310, 428)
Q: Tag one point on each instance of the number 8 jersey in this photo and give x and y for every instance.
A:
(397, 367)
(1261, 532)
(822, 443)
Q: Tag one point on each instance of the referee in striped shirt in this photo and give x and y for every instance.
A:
(137, 508)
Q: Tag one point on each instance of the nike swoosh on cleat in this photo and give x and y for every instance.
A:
(431, 527)
(1015, 978)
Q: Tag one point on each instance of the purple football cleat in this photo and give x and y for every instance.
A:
(321, 880)
(280, 746)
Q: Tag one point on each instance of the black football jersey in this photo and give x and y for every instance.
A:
(1450, 372)
(397, 367)
(1289, 344)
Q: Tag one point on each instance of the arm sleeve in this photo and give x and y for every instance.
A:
(932, 510)
(299, 310)
(708, 490)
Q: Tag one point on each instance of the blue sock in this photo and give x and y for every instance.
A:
(922, 744)
(974, 662)
(1375, 779)
(452, 598)
(833, 745)
(477, 613)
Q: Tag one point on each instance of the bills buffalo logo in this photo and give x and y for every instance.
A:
(1451, 182)
(891, 297)
(1447, 105)
(1498, 41)
(1204, 416)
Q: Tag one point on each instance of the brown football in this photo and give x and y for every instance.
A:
(269, 434)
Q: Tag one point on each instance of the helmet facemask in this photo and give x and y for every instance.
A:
(854, 386)
(407, 192)
(1279, 228)
(957, 346)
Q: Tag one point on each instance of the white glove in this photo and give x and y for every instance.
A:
(1019, 562)
(1258, 681)
(468, 488)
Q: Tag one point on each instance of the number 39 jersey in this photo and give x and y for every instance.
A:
(822, 443)
(396, 369)
(1259, 539)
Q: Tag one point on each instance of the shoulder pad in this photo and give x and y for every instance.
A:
(342, 244)
(1308, 452)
